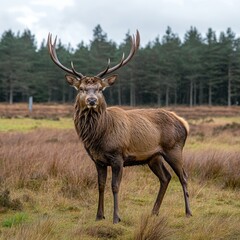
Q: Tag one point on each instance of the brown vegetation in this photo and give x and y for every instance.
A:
(219, 165)
(29, 160)
(152, 228)
(40, 111)
(66, 110)
(52, 180)
(7, 203)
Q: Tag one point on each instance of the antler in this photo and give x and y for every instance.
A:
(53, 54)
(135, 45)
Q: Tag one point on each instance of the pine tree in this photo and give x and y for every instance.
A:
(192, 67)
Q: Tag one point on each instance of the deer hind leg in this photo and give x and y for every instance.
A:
(158, 168)
(174, 159)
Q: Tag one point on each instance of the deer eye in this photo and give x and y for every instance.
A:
(81, 89)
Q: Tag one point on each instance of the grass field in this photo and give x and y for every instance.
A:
(48, 184)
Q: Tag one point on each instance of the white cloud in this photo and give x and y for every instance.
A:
(74, 20)
(26, 16)
(59, 5)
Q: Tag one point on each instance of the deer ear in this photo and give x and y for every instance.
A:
(109, 81)
(73, 81)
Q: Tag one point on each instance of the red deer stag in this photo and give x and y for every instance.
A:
(118, 138)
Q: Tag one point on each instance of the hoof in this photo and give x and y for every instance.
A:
(155, 213)
(188, 214)
(116, 220)
(99, 218)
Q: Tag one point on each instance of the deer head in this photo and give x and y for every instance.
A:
(90, 87)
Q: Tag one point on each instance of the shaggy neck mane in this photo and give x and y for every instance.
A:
(91, 125)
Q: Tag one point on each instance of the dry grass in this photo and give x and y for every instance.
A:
(40, 111)
(220, 166)
(152, 228)
(55, 183)
(29, 160)
(54, 111)
(7, 203)
(213, 153)
(42, 229)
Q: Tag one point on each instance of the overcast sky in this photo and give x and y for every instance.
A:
(74, 20)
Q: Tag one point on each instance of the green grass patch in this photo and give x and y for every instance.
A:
(28, 124)
(16, 219)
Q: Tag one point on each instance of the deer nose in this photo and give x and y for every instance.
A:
(91, 101)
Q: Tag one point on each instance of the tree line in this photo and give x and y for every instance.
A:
(194, 71)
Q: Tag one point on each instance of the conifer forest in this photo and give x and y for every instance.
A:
(196, 70)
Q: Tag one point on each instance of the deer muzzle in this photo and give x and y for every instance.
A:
(91, 102)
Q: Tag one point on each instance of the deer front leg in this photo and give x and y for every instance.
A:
(117, 169)
(102, 176)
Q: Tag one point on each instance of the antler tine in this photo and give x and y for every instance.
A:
(137, 40)
(134, 47)
(132, 52)
(76, 73)
(105, 70)
(53, 55)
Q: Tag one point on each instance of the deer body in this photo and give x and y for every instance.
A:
(135, 134)
(117, 138)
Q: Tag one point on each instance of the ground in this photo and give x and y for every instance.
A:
(48, 184)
